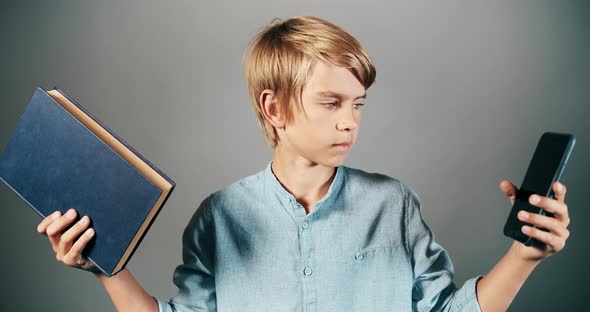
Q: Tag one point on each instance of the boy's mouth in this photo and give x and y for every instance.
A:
(343, 145)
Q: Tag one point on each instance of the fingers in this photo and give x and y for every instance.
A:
(74, 255)
(509, 189)
(556, 207)
(559, 191)
(56, 227)
(544, 222)
(68, 246)
(554, 242)
(42, 227)
(68, 237)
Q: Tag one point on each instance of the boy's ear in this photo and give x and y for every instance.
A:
(270, 108)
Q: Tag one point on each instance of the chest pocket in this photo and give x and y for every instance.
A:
(377, 255)
(376, 263)
(371, 278)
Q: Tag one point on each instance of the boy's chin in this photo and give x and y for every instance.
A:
(332, 162)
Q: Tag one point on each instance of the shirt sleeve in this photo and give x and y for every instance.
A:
(433, 288)
(195, 276)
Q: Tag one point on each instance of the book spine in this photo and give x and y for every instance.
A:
(117, 137)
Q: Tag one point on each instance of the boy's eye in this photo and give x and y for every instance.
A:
(330, 104)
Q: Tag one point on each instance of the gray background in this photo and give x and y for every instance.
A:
(464, 90)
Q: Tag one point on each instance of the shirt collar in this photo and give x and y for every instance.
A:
(287, 197)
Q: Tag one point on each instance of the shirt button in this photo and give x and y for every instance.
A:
(307, 271)
(305, 225)
(359, 256)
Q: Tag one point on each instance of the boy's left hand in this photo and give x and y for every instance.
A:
(557, 232)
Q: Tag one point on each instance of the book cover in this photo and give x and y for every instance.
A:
(61, 157)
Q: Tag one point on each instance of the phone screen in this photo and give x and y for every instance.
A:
(546, 167)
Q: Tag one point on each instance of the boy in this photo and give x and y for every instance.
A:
(307, 233)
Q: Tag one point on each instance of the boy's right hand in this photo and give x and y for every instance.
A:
(68, 246)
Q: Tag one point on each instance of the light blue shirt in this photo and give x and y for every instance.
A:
(365, 247)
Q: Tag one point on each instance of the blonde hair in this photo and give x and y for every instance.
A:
(281, 55)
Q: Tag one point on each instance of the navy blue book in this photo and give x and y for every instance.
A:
(61, 157)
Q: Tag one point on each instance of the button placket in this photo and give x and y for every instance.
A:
(307, 256)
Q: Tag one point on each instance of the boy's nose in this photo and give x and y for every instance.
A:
(348, 122)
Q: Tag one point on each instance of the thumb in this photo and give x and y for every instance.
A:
(509, 189)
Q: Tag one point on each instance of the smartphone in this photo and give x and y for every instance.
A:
(546, 167)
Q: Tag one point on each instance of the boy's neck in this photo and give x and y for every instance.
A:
(307, 181)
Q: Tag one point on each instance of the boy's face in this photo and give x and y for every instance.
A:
(331, 100)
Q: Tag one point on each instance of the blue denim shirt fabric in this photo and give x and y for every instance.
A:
(364, 247)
